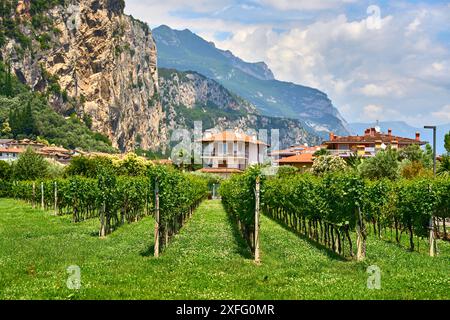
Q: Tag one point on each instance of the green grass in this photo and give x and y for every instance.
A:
(207, 260)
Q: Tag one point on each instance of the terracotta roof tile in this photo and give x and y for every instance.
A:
(55, 149)
(382, 137)
(296, 150)
(12, 150)
(232, 137)
(300, 158)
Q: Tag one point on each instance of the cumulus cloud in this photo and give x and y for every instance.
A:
(306, 4)
(402, 66)
(444, 113)
(382, 90)
(373, 112)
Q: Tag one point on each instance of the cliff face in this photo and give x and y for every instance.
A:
(93, 60)
(189, 97)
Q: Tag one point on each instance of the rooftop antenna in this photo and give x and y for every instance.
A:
(377, 127)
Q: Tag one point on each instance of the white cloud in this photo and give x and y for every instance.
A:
(383, 90)
(437, 66)
(372, 112)
(402, 67)
(444, 113)
(373, 90)
(306, 4)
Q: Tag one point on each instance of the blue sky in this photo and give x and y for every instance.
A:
(377, 60)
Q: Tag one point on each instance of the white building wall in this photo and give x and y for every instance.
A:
(6, 156)
(235, 155)
(253, 154)
(263, 156)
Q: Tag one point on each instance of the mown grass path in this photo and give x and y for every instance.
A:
(207, 260)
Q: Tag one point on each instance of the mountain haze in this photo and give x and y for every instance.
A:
(189, 96)
(185, 51)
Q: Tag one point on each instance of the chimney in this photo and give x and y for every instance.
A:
(417, 136)
(331, 136)
(390, 132)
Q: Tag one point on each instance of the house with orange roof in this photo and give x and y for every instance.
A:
(295, 150)
(302, 161)
(229, 152)
(369, 144)
(56, 154)
(10, 154)
(25, 144)
(300, 156)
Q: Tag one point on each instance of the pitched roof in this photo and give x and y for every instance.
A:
(27, 142)
(55, 150)
(229, 136)
(12, 150)
(372, 136)
(299, 158)
(293, 150)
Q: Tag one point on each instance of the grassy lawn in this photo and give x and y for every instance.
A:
(207, 260)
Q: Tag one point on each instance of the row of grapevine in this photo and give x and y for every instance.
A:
(178, 194)
(327, 210)
(116, 200)
(239, 198)
(324, 210)
(127, 200)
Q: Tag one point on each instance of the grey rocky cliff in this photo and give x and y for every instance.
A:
(189, 97)
(103, 61)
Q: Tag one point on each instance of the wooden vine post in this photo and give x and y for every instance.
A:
(103, 220)
(433, 244)
(42, 195)
(157, 219)
(432, 239)
(34, 194)
(360, 241)
(257, 220)
(56, 199)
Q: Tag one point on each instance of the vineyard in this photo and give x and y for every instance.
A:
(305, 233)
(330, 210)
(116, 200)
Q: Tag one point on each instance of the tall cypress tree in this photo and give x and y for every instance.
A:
(6, 85)
(28, 123)
(8, 82)
(15, 121)
(2, 78)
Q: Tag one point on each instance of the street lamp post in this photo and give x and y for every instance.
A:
(433, 245)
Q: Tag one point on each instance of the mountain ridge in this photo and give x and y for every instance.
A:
(186, 51)
(189, 96)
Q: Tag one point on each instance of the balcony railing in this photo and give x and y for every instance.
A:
(238, 156)
(348, 153)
